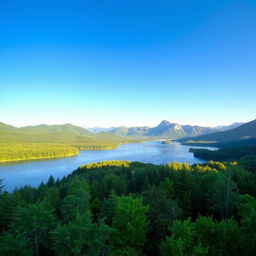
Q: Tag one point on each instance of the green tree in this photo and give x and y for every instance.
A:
(221, 238)
(162, 212)
(168, 187)
(7, 209)
(34, 222)
(183, 190)
(77, 200)
(129, 223)
(108, 208)
(114, 182)
(247, 211)
(222, 195)
(183, 241)
(80, 237)
(52, 199)
(50, 182)
(12, 245)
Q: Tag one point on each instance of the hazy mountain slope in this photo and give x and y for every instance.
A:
(228, 127)
(130, 131)
(245, 131)
(98, 129)
(196, 130)
(108, 137)
(121, 131)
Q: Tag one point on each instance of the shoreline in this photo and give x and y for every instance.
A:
(55, 157)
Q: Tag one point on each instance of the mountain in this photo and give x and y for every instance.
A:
(165, 129)
(98, 129)
(56, 133)
(130, 131)
(67, 135)
(245, 131)
(228, 127)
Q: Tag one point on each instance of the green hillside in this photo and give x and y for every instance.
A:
(56, 128)
(52, 141)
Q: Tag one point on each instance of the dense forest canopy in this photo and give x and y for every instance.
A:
(122, 208)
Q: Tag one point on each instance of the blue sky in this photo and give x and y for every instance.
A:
(109, 63)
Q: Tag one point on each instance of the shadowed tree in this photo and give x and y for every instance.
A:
(108, 208)
(222, 195)
(12, 245)
(77, 200)
(7, 209)
(247, 211)
(80, 237)
(34, 222)
(162, 212)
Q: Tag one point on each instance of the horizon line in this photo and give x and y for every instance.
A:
(116, 126)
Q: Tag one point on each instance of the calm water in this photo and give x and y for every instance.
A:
(32, 173)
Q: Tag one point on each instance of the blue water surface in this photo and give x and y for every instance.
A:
(17, 174)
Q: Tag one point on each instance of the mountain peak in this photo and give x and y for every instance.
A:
(164, 123)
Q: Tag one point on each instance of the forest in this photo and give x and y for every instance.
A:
(24, 151)
(122, 208)
(29, 145)
(244, 155)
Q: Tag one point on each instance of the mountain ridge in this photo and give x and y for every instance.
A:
(245, 131)
(228, 127)
(165, 129)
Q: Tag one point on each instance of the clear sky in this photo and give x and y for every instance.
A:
(109, 63)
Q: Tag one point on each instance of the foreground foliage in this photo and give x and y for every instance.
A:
(122, 208)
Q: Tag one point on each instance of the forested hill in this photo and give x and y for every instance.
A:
(122, 208)
(243, 132)
(52, 141)
(43, 128)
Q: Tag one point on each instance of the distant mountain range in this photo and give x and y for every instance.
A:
(140, 131)
(98, 129)
(242, 132)
(165, 129)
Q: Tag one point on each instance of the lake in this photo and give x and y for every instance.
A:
(17, 174)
